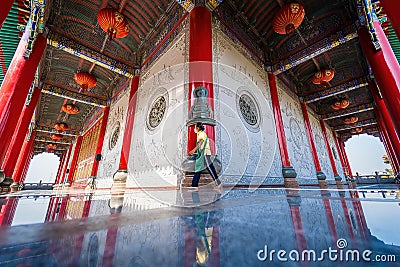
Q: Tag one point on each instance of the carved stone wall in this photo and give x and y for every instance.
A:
(113, 141)
(245, 132)
(321, 147)
(297, 139)
(158, 144)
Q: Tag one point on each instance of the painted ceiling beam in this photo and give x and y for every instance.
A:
(355, 125)
(316, 49)
(371, 131)
(348, 111)
(188, 5)
(336, 90)
(70, 46)
(43, 139)
(38, 151)
(63, 93)
(44, 129)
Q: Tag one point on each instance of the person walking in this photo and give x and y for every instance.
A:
(203, 158)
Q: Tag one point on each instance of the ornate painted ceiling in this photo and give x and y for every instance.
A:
(326, 39)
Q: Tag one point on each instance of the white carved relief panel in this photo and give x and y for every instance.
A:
(246, 139)
(321, 147)
(113, 141)
(296, 137)
(158, 143)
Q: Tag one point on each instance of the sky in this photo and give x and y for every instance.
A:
(43, 167)
(364, 153)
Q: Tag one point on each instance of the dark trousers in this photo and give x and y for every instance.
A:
(210, 169)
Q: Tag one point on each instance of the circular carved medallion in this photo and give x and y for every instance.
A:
(249, 111)
(114, 136)
(157, 112)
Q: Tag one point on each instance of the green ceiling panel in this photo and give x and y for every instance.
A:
(9, 37)
(394, 42)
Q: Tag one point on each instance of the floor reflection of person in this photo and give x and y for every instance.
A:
(204, 237)
(203, 158)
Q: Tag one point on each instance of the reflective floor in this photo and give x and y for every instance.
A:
(239, 227)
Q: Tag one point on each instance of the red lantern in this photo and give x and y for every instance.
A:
(323, 77)
(344, 103)
(56, 137)
(70, 108)
(351, 120)
(51, 146)
(61, 126)
(113, 23)
(357, 130)
(288, 18)
(336, 105)
(85, 80)
(49, 150)
(340, 104)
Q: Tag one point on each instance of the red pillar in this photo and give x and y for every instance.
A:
(64, 171)
(15, 87)
(345, 156)
(100, 141)
(389, 149)
(6, 6)
(329, 149)
(74, 159)
(386, 122)
(391, 8)
(27, 165)
(288, 171)
(320, 174)
(386, 70)
(340, 152)
(200, 66)
(7, 211)
(60, 166)
(17, 140)
(122, 171)
(23, 158)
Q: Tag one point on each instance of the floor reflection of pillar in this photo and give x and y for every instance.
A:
(347, 218)
(109, 249)
(63, 210)
(358, 215)
(362, 217)
(116, 204)
(50, 209)
(329, 217)
(294, 201)
(79, 238)
(189, 247)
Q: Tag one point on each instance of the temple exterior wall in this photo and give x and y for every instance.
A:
(246, 141)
